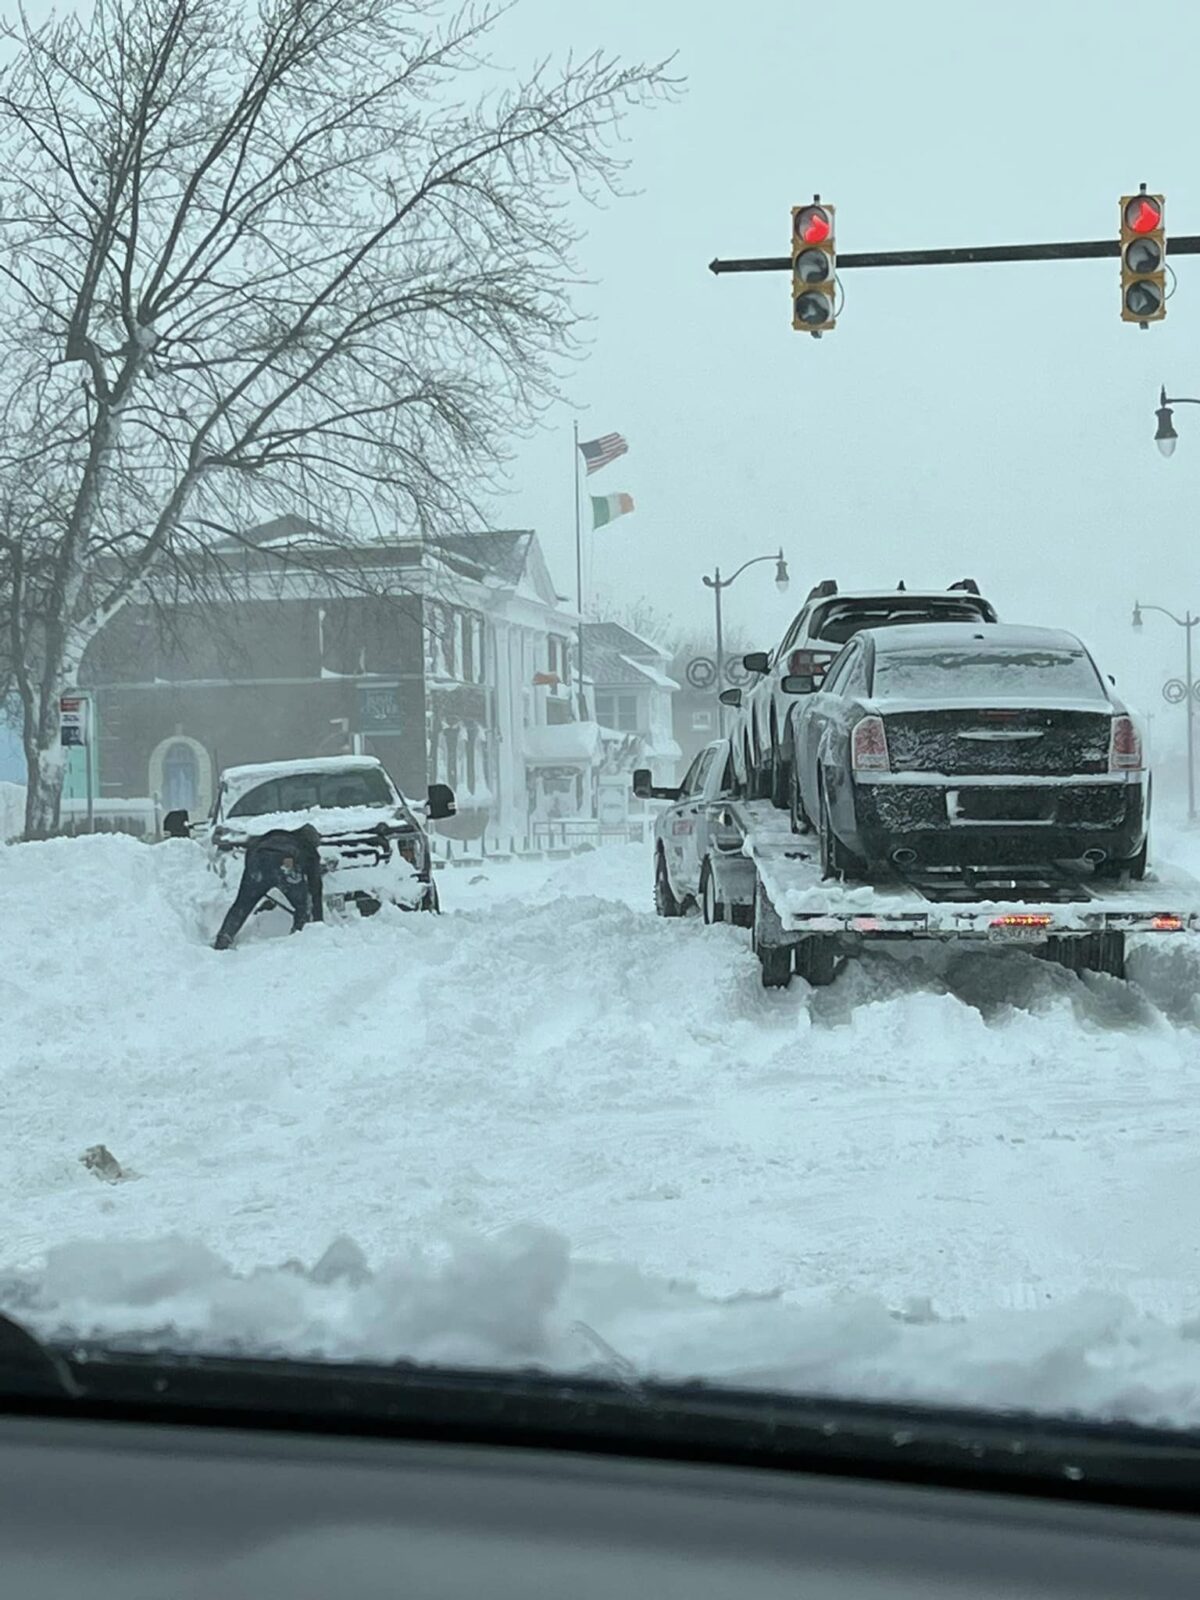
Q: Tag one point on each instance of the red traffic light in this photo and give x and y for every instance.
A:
(813, 225)
(1143, 214)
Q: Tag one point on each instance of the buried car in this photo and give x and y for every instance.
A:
(373, 848)
(945, 745)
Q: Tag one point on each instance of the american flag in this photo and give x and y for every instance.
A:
(599, 452)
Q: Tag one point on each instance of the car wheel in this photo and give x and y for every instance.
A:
(665, 902)
(836, 860)
(1131, 866)
(712, 907)
(817, 960)
(801, 821)
(781, 779)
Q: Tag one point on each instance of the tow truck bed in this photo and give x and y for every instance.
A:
(804, 924)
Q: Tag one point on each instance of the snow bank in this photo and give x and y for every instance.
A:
(521, 1299)
(978, 1132)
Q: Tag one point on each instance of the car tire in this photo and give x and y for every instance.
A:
(781, 779)
(817, 960)
(1133, 867)
(712, 907)
(665, 903)
(836, 860)
(801, 821)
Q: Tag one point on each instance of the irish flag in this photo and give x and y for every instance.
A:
(607, 507)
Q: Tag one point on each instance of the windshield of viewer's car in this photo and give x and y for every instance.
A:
(472, 389)
(1037, 674)
(300, 791)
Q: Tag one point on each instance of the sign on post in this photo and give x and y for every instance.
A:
(379, 708)
(72, 716)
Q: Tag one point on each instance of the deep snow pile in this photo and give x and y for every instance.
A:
(754, 1185)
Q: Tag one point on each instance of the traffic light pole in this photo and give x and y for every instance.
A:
(1065, 250)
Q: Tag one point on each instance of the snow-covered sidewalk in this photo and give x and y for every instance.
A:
(715, 1178)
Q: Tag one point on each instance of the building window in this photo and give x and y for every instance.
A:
(617, 711)
(702, 721)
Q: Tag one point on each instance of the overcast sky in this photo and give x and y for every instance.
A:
(987, 421)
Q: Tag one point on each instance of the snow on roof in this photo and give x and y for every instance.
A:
(655, 676)
(997, 635)
(238, 779)
(259, 772)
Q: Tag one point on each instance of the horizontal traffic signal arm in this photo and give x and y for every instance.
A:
(1066, 250)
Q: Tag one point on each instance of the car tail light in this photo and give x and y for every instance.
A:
(809, 663)
(1167, 922)
(1023, 919)
(869, 747)
(1125, 749)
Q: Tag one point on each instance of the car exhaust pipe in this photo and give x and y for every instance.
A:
(904, 857)
(1095, 857)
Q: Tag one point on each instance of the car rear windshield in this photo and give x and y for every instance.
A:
(1010, 673)
(839, 621)
(300, 791)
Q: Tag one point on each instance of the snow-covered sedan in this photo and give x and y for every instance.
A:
(373, 848)
(688, 831)
(951, 745)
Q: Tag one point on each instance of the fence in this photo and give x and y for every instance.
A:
(562, 836)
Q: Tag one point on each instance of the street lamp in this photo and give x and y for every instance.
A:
(1165, 436)
(716, 583)
(1187, 622)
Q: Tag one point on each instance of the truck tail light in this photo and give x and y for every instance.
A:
(869, 747)
(1125, 748)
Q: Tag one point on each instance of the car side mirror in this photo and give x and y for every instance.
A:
(643, 782)
(756, 661)
(800, 683)
(730, 697)
(175, 825)
(440, 802)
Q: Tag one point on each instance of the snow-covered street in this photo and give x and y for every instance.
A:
(550, 1068)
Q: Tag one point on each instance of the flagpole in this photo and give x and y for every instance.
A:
(579, 578)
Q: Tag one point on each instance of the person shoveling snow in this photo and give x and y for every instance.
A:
(280, 860)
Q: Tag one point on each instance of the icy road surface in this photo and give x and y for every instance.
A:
(549, 1108)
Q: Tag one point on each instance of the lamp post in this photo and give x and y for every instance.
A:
(716, 583)
(1187, 622)
(1165, 436)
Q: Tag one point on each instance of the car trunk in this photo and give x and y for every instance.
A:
(999, 740)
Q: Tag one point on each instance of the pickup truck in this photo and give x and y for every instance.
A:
(373, 846)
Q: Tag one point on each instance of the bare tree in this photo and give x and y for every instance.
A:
(253, 261)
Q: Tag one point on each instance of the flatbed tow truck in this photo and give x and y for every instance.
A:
(769, 878)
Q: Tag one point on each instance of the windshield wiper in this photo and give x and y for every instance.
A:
(996, 1452)
(30, 1368)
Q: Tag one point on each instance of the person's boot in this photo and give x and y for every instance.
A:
(223, 941)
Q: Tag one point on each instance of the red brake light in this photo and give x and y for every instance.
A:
(869, 747)
(1023, 919)
(1125, 748)
(1167, 922)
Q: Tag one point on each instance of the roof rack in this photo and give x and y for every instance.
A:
(822, 590)
(967, 584)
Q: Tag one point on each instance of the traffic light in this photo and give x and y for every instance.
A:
(1143, 258)
(814, 264)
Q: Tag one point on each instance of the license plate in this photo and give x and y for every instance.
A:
(1017, 935)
